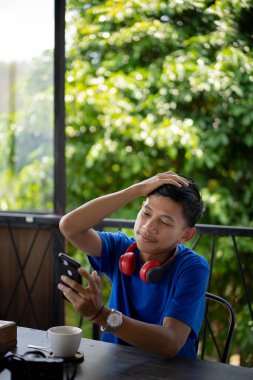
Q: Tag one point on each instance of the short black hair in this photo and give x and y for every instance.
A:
(188, 196)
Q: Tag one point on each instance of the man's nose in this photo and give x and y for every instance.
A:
(151, 225)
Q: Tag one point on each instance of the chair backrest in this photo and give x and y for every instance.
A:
(220, 332)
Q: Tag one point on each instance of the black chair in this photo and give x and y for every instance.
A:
(209, 329)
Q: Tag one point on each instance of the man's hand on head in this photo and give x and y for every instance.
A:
(168, 178)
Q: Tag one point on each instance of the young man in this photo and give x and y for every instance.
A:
(158, 290)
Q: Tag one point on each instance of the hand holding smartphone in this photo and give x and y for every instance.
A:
(69, 267)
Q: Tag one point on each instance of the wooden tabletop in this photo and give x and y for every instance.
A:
(109, 361)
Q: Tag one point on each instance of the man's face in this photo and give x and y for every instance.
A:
(159, 227)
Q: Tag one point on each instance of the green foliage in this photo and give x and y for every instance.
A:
(157, 85)
(25, 188)
(26, 136)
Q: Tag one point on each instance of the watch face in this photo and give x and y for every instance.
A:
(114, 319)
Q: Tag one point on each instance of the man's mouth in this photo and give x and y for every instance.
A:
(146, 238)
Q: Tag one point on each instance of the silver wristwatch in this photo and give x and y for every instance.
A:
(113, 321)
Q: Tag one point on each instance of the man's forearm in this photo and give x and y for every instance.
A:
(157, 339)
(92, 212)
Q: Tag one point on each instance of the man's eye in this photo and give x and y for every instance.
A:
(165, 223)
(145, 213)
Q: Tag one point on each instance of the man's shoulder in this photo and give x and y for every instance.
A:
(188, 255)
(119, 239)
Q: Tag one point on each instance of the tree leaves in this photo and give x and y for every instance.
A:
(160, 84)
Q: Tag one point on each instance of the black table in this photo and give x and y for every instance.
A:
(108, 361)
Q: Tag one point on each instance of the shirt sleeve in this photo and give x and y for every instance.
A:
(188, 301)
(113, 246)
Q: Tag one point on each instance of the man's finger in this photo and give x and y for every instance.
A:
(69, 293)
(97, 279)
(89, 278)
(72, 283)
(174, 179)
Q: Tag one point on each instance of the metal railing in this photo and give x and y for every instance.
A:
(29, 269)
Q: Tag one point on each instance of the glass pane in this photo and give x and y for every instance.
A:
(26, 105)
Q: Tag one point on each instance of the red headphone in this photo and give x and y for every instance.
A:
(151, 271)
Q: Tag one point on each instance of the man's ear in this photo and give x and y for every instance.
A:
(188, 234)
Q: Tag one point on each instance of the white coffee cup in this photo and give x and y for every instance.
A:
(64, 340)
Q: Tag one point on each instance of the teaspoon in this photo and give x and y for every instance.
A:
(42, 348)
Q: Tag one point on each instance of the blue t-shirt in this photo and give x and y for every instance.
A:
(180, 294)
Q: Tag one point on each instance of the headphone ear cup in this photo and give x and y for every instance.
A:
(148, 268)
(127, 263)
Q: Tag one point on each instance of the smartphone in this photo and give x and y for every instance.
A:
(69, 267)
